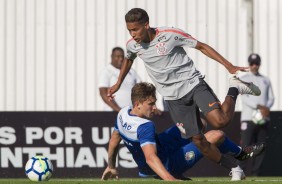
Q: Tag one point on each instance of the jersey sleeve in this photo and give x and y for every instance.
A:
(146, 134)
(131, 53)
(116, 127)
(183, 39)
(104, 79)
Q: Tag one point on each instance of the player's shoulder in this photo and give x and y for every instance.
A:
(171, 30)
(109, 70)
(131, 43)
(125, 113)
(146, 126)
(124, 110)
(105, 75)
(265, 78)
(143, 121)
(167, 29)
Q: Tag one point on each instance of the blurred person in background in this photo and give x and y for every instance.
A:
(109, 76)
(255, 116)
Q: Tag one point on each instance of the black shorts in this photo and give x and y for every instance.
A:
(185, 111)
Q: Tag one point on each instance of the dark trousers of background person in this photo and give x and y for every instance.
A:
(254, 134)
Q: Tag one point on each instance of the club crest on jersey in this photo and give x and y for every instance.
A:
(161, 48)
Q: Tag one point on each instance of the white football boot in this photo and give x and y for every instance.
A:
(237, 174)
(244, 87)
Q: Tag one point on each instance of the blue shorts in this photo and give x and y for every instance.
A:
(177, 154)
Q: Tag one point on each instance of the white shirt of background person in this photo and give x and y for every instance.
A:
(108, 77)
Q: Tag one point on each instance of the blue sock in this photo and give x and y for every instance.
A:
(229, 147)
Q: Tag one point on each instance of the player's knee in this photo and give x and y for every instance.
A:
(219, 134)
(218, 137)
(221, 121)
(201, 143)
(215, 136)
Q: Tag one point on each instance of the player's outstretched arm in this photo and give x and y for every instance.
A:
(126, 65)
(111, 103)
(111, 171)
(213, 54)
(155, 163)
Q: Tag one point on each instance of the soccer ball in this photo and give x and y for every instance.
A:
(258, 118)
(39, 168)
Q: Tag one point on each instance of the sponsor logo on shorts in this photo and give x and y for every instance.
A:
(212, 104)
(189, 155)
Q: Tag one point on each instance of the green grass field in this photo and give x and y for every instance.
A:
(206, 180)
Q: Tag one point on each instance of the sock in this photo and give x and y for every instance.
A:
(229, 147)
(228, 163)
(233, 92)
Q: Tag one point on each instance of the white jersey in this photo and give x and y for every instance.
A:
(109, 77)
(128, 125)
(136, 132)
(167, 63)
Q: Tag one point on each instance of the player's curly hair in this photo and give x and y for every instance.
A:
(142, 91)
(137, 15)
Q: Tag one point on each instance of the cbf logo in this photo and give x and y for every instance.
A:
(161, 48)
(189, 155)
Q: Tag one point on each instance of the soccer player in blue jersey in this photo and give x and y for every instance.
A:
(176, 78)
(166, 155)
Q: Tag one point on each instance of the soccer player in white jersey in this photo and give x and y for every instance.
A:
(178, 81)
(108, 77)
(166, 155)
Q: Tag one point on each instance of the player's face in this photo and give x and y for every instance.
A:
(148, 107)
(138, 31)
(254, 68)
(117, 58)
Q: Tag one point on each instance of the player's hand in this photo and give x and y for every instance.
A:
(112, 90)
(264, 111)
(110, 174)
(235, 69)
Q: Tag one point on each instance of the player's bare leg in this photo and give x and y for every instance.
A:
(219, 118)
(211, 152)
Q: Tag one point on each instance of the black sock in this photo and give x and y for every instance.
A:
(227, 162)
(233, 93)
